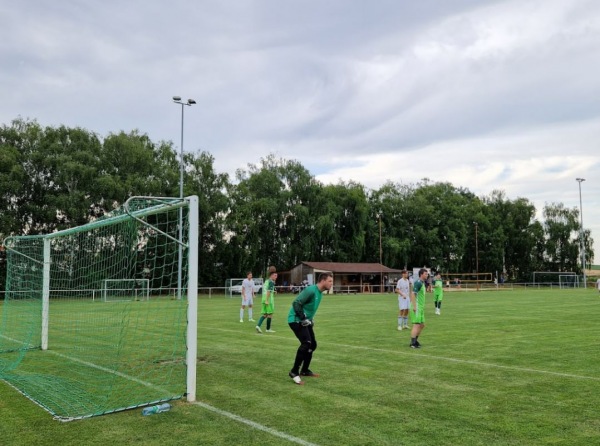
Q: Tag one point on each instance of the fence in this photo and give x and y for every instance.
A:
(210, 292)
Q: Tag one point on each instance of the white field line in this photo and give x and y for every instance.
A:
(476, 363)
(440, 358)
(112, 372)
(254, 425)
(230, 415)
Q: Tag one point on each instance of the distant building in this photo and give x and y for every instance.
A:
(347, 277)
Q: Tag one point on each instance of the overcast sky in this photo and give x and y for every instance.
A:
(480, 93)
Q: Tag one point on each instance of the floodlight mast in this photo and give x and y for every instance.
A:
(582, 245)
(476, 255)
(189, 103)
(380, 255)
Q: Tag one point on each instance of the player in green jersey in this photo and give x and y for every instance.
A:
(417, 308)
(301, 321)
(268, 300)
(438, 293)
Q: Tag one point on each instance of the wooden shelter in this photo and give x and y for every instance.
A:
(348, 277)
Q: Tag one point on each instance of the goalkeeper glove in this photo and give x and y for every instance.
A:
(306, 322)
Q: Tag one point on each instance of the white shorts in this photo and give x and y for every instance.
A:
(403, 303)
(247, 300)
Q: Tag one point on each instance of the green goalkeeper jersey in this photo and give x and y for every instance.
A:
(307, 302)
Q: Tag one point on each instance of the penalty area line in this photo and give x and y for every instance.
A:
(475, 363)
(444, 358)
(253, 424)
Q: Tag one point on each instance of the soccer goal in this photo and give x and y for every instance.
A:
(77, 357)
(233, 286)
(568, 281)
(552, 278)
(117, 290)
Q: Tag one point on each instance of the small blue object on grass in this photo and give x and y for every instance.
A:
(156, 409)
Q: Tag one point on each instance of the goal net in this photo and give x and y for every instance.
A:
(77, 357)
(553, 278)
(233, 286)
(125, 289)
(568, 281)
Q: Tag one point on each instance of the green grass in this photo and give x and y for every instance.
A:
(95, 348)
(496, 368)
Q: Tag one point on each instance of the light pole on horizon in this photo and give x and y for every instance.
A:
(189, 103)
(380, 255)
(582, 245)
(476, 257)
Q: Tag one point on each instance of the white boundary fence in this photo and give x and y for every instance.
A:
(218, 292)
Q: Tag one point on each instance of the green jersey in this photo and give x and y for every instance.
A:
(419, 289)
(307, 302)
(438, 289)
(268, 287)
(418, 317)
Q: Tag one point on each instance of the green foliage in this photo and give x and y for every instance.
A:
(276, 212)
(214, 203)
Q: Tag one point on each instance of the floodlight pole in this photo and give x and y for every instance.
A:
(189, 103)
(580, 180)
(476, 257)
(380, 255)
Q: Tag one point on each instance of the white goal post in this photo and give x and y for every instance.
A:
(540, 277)
(77, 358)
(568, 281)
(118, 290)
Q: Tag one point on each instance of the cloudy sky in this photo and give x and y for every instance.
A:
(483, 94)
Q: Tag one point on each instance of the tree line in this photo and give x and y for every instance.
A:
(276, 212)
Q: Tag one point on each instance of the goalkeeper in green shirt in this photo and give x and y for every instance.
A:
(301, 321)
(438, 293)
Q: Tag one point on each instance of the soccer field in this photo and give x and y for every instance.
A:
(496, 368)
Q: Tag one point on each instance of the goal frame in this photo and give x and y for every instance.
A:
(564, 284)
(192, 289)
(555, 273)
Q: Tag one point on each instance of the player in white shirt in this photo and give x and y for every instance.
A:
(403, 288)
(247, 297)
(598, 284)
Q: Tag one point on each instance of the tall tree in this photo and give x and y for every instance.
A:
(561, 228)
(256, 215)
(343, 222)
(520, 236)
(58, 168)
(211, 188)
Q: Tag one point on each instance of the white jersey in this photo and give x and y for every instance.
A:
(247, 290)
(403, 289)
(598, 284)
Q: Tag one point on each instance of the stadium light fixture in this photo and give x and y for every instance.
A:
(189, 103)
(582, 245)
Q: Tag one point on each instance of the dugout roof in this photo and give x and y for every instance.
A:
(351, 268)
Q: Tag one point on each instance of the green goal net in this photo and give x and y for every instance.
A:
(102, 317)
